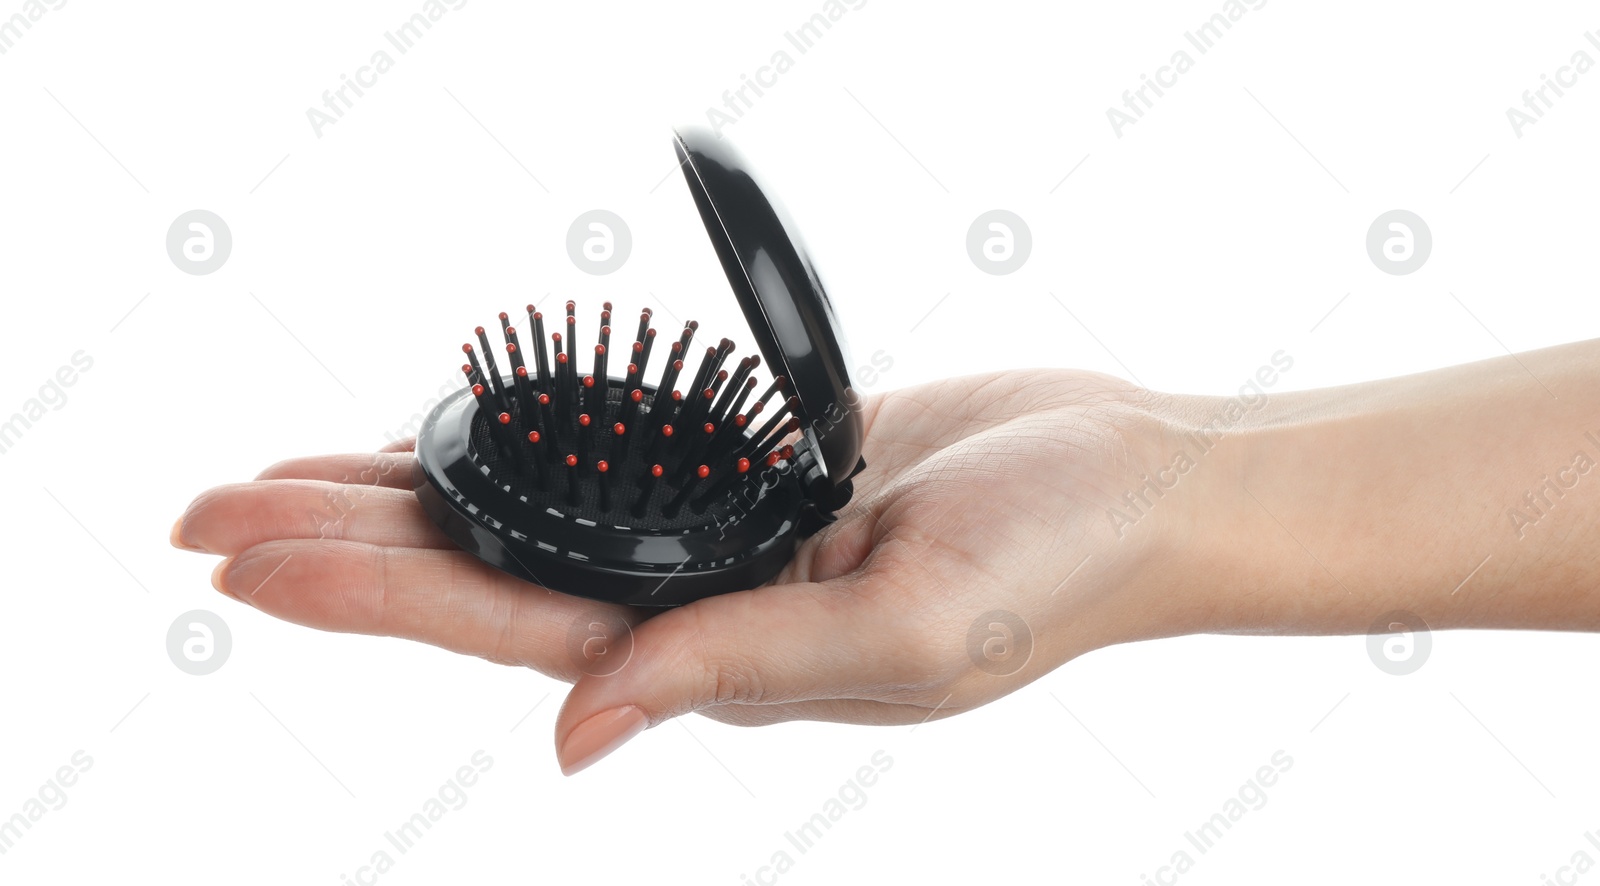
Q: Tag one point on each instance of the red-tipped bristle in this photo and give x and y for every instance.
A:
(788, 406)
(644, 448)
(478, 330)
(670, 509)
(766, 440)
(737, 389)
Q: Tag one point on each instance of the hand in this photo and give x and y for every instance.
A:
(981, 495)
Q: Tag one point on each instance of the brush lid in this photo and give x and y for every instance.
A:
(785, 304)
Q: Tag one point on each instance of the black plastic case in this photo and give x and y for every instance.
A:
(741, 544)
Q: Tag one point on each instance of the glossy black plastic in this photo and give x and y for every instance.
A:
(618, 564)
(785, 303)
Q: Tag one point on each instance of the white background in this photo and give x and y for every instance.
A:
(1224, 226)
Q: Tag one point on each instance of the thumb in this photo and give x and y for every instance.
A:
(771, 645)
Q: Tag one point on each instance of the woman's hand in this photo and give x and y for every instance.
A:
(976, 556)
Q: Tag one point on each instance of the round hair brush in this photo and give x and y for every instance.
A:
(618, 489)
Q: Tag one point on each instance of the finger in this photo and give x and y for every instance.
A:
(447, 599)
(232, 518)
(858, 711)
(409, 444)
(840, 548)
(774, 645)
(362, 469)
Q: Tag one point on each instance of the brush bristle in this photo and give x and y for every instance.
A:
(613, 450)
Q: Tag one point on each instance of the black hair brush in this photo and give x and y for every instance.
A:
(655, 494)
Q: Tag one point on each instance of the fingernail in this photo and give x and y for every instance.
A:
(217, 579)
(598, 736)
(177, 538)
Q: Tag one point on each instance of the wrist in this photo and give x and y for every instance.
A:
(1322, 511)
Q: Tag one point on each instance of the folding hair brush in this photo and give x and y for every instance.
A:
(655, 494)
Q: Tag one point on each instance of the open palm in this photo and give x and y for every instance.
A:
(939, 588)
